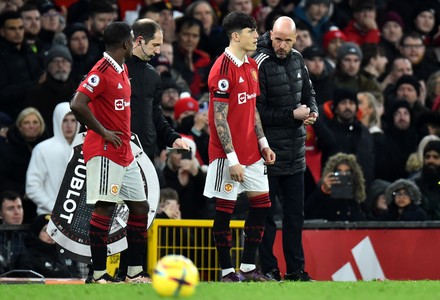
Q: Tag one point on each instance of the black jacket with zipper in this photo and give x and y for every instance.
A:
(284, 85)
(147, 120)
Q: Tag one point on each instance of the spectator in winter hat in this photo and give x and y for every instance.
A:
(403, 198)
(347, 73)
(408, 88)
(401, 140)
(332, 40)
(184, 111)
(79, 45)
(161, 63)
(391, 27)
(363, 27)
(428, 180)
(319, 73)
(58, 86)
(345, 127)
(426, 22)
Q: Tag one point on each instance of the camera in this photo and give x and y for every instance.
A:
(344, 189)
(187, 154)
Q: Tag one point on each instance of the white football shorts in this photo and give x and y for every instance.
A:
(220, 185)
(110, 182)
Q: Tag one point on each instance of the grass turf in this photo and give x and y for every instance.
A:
(375, 290)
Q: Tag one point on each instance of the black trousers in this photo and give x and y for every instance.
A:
(291, 189)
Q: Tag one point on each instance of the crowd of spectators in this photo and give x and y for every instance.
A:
(373, 64)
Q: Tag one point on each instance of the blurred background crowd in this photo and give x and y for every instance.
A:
(374, 65)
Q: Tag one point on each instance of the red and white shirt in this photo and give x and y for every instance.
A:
(108, 87)
(235, 82)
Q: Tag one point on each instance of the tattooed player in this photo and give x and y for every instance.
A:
(236, 140)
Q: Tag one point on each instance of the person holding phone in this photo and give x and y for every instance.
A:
(340, 195)
(183, 173)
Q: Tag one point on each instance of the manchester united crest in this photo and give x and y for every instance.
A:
(114, 189)
(254, 75)
(228, 187)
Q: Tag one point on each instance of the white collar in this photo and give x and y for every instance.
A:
(114, 64)
(234, 58)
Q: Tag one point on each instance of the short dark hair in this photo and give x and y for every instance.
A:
(28, 6)
(8, 195)
(8, 15)
(187, 21)
(145, 28)
(99, 7)
(116, 34)
(237, 21)
(370, 51)
(411, 34)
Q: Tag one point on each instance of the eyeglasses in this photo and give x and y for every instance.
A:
(401, 193)
(413, 46)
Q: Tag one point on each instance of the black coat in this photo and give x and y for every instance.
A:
(47, 95)
(20, 70)
(147, 120)
(412, 212)
(323, 206)
(43, 258)
(353, 138)
(284, 85)
(15, 155)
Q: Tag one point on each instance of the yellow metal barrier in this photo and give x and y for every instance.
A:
(193, 239)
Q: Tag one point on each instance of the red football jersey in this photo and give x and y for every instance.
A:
(236, 83)
(108, 87)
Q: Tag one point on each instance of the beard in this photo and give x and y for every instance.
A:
(431, 174)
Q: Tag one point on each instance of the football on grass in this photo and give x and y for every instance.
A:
(175, 276)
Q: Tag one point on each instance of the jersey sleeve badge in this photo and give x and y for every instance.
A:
(223, 85)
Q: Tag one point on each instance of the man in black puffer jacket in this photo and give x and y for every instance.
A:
(286, 104)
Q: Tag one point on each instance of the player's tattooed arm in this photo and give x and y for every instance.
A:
(258, 125)
(222, 126)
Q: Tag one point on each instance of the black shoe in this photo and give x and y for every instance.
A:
(274, 274)
(299, 275)
(104, 279)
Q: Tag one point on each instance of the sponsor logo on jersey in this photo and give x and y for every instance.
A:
(120, 104)
(223, 85)
(93, 80)
(241, 98)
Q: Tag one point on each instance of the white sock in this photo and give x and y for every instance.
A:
(98, 274)
(227, 271)
(134, 270)
(247, 267)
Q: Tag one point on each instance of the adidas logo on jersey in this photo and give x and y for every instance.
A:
(119, 86)
(240, 80)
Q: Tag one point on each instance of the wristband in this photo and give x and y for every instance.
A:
(263, 143)
(232, 158)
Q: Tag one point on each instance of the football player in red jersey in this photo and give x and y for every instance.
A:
(238, 149)
(102, 103)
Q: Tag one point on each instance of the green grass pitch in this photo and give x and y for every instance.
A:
(320, 290)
